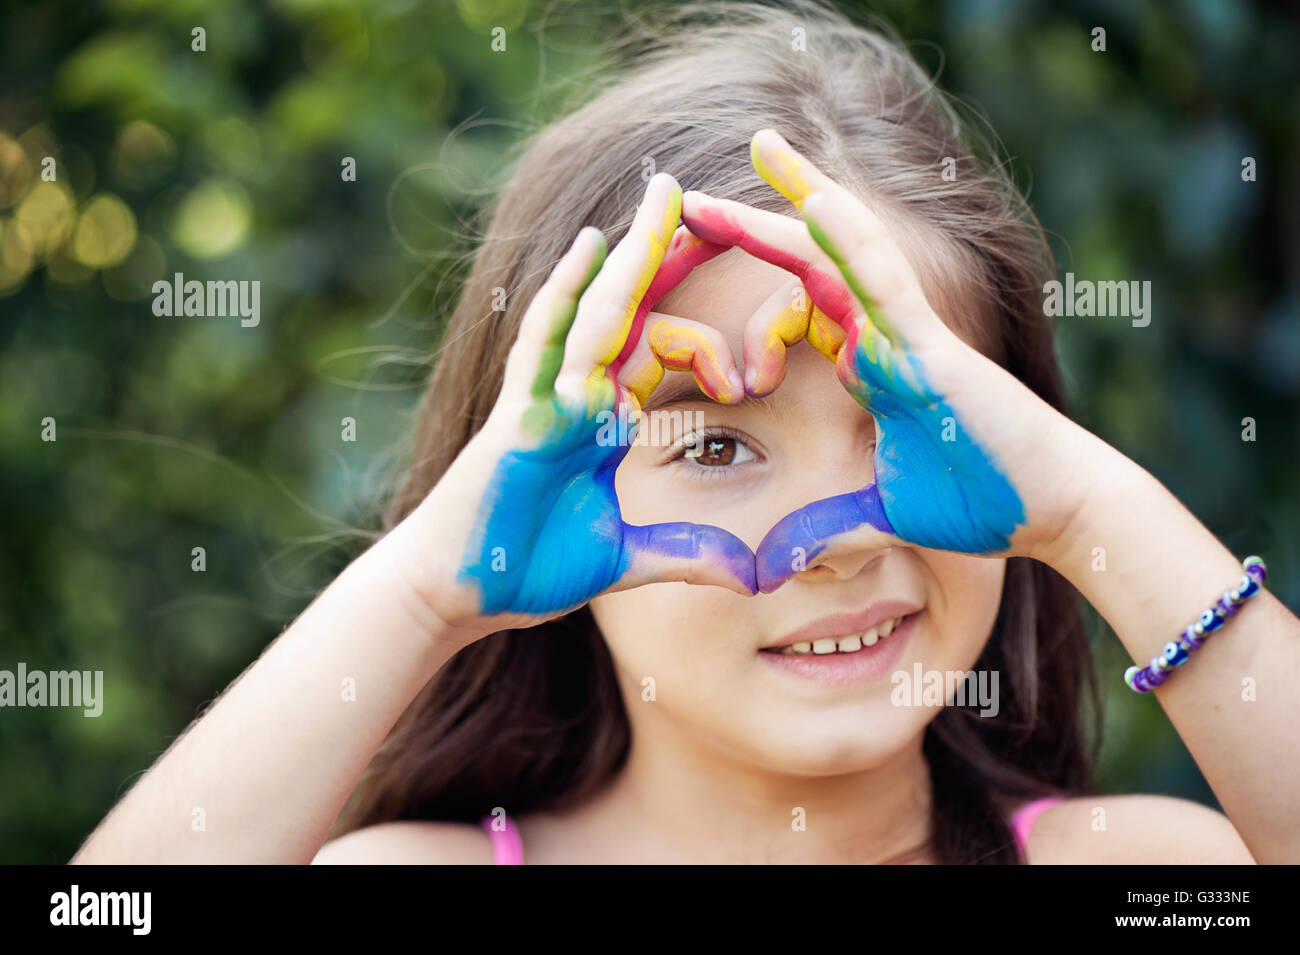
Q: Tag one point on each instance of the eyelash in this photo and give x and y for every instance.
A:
(705, 473)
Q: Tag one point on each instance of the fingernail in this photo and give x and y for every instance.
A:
(751, 376)
(733, 376)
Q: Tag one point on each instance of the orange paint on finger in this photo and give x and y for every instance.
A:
(683, 348)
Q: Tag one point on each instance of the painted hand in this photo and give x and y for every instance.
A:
(547, 533)
(951, 450)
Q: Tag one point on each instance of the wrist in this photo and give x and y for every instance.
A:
(1085, 474)
(423, 584)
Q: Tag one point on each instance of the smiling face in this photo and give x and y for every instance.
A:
(717, 688)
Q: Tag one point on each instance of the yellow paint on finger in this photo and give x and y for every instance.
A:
(654, 245)
(825, 334)
(683, 348)
(784, 173)
(787, 327)
(643, 378)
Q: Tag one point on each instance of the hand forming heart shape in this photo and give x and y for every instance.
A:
(550, 534)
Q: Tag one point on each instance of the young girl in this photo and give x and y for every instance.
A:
(577, 646)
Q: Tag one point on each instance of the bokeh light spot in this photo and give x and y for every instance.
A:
(212, 219)
(106, 233)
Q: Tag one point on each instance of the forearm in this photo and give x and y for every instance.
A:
(1149, 568)
(263, 774)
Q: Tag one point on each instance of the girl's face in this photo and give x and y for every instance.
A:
(715, 685)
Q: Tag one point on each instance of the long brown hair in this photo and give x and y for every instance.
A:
(532, 720)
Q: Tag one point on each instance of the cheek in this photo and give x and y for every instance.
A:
(964, 606)
(682, 636)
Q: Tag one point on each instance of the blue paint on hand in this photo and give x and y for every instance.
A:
(551, 533)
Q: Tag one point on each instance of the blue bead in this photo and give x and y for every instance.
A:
(1175, 654)
(1210, 621)
(1249, 587)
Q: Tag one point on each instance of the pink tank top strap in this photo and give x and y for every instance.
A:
(507, 846)
(1022, 820)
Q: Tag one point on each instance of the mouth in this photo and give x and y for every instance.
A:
(848, 648)
(846, 633)
(850, 644)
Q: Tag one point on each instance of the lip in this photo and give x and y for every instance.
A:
(846, 624)
(842, 669)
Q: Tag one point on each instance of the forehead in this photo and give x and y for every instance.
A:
(725, 292)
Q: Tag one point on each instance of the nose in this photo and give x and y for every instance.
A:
(843, 562)
(831, 538)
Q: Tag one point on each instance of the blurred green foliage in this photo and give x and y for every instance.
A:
(225, 164)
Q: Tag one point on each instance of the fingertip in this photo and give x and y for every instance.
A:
(764, 136)
(672, 190)
(589, 240)
(692, 201)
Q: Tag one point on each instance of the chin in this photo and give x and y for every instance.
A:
(829, 747)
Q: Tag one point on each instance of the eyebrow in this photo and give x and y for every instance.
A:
(680, 388)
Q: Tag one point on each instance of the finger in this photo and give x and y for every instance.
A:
(825, 335)
(637, 367)
(876, 339)
(781, 240)
(608, 307)
(680, 344)
(789, 172)
(786, 318)
(685, 251)
(834, 524)
(694, 553)
(535, 357)
(851, 234)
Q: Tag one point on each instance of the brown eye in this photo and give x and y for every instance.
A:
(714, 451)
(717, 450)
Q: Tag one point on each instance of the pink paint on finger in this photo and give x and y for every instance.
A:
(685, 251)
(826, 289)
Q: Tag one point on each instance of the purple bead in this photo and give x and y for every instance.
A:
(1155, 678)
(1255, 567)
(1226, 607)
(1191, 639)
(1142, 682)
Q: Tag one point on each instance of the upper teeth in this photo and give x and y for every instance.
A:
(849, 644)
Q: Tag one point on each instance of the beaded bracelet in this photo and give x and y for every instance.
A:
(1147, 678)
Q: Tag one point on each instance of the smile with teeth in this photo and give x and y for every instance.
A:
(850, 644)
